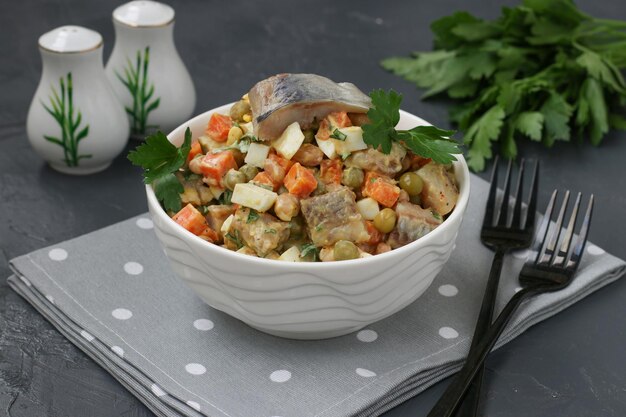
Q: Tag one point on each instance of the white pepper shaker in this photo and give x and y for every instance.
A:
(146, 71)
(75, 121)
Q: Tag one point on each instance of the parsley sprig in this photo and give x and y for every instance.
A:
(160, 159)
(427, 141)
(543, 71)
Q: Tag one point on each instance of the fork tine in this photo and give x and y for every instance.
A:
(574, 258)
(491, 200)
(504, 205)
(532, 203)
(548, 251)
(519, 191)
(559, 259)
(542, 232)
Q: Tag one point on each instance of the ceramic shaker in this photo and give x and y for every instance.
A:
(146, 71)
(75, 121)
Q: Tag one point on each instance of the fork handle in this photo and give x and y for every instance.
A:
(451, 398)
(469, 404)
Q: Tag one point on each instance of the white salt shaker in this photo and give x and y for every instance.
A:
(75, 121)
(146, 71)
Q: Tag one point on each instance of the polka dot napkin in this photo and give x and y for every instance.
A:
(111, 292)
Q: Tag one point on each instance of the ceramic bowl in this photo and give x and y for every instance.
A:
(302, 300)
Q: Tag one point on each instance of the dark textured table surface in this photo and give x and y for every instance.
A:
(572, 365)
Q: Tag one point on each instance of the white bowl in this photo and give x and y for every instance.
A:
(302, 300)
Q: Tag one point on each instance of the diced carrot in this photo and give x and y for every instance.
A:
(191, 219)
(265, 179)
(381, 189)
(375, 235)
(417, 161)
(215, 165)
(300, 181)
(218, 127)
(209, 235)
(277, 167)
(331, 122)
(331, 170)
(196, 149)
(339, 119)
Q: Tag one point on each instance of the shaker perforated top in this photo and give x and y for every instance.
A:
(70, 39)
(144, 13)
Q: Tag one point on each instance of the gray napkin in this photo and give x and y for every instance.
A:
(112, 293)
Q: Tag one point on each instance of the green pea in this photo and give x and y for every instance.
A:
(416, 199)
(239, 109)
(233, 178)
(385, 220)
(297, 228)
(352, 177)
(411, 183)
(309, 135)
(345, 250)
(249, 171)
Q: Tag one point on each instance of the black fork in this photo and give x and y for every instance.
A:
(547, 269)
(501, 233)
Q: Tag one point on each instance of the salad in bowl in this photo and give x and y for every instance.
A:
(306, 209)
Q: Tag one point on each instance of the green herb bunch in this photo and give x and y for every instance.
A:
(543, 70)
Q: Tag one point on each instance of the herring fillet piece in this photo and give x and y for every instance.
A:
(282, 99)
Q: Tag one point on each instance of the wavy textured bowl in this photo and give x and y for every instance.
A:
(307, 300)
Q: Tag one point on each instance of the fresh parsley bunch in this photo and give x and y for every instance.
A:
(543, 70)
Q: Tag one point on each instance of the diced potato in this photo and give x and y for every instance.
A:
(216, 191)
(257, 154)
(368, 207)
(247, 251)
(354, 141)
(190, 195)
(248, 128)
(204, 193)
(209, 144)
(290, 141)
(363, 254)
(328, 147)
(291, 255)
(226, 225)
(254, 197)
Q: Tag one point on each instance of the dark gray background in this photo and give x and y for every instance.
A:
(572, 365)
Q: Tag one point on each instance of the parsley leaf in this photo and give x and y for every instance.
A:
(167, 189)
(160, 159)
(309, 249)
(252, 216)
(427, 141)
(530, 123)
(339, 135)
(556, 113)
(480, 135)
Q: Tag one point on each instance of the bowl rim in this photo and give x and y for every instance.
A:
(457, 214)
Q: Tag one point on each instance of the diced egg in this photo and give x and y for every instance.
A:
(209, 144)
(290, 141)
(353, 142)
(257, 154)
(328, 147)
(254, 197)
(226, 225)
(291, 255)
(247, 128)
(368, 207)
